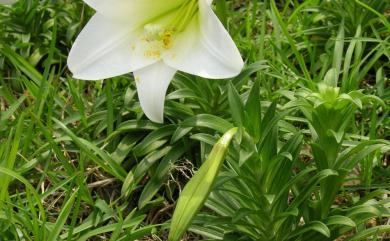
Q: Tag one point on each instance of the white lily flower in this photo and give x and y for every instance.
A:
(153, 39)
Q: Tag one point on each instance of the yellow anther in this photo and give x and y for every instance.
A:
(167, 39)
(152, 53)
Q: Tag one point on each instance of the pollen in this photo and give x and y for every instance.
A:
(152, 53)
(167, 39)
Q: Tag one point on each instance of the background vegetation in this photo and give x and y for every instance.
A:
(80, 161)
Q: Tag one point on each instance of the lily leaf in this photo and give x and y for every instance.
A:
(316, 226)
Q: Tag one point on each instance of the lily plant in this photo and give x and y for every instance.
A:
(153, 39)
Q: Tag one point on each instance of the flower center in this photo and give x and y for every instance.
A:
(157, 34)
(160, 33)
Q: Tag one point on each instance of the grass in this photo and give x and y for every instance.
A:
(80, 161)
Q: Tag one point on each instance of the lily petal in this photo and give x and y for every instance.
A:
(136, 12)
(152, 84)
(107, 48)
(205, 48)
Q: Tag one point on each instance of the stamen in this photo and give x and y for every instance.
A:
(191, 10)
(184, 16)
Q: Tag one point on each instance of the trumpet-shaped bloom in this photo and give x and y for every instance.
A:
(153, 39)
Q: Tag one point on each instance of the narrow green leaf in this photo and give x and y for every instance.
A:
(312, 226)
(364, 235)
(124, 147)
(62, 217)
(202, 120)
(10, 163)
(236, 105)
(147, 144)
(131, 223)
(110, 108)
(222, 11)
(338, 54)
(253, 112)
(77, 100)
(340, 220)
(348, 59)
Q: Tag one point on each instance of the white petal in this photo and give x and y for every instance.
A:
(134, 11)
(106, 48)
(152, 84)
(205, 48)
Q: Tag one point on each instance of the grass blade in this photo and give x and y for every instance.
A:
(62, 217)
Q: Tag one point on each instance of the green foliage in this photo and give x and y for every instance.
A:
(267, 193)
(79, 161)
